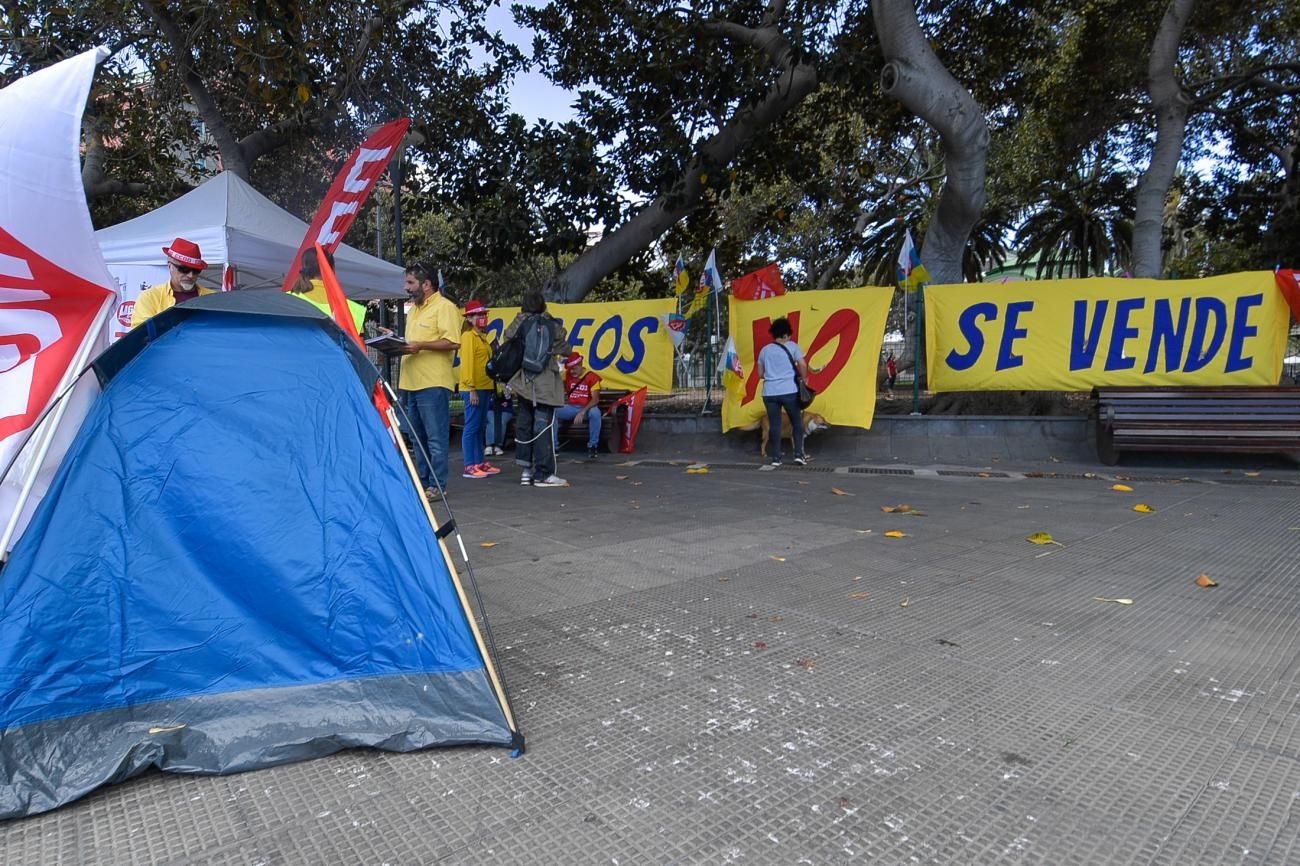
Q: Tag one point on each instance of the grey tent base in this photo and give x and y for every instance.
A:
(46, 764)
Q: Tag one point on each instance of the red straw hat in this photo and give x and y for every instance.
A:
(475, 308)
(573, 360)
(186, 253)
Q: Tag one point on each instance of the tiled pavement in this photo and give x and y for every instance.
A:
(740, 666)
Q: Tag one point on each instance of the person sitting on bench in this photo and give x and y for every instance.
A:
(582, 390)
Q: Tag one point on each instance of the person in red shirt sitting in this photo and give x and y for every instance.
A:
(582, 400)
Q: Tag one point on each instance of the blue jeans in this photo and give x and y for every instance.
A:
(789, 402)
(471, 438)
(534, 447)
(497, 420)
(568, 412)
(429, 410)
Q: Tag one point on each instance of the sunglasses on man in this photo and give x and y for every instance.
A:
(184, 270)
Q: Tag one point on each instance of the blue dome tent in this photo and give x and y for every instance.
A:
(232, 569)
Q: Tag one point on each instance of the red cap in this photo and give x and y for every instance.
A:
(573, 360)
(475, 308)
(186, 253)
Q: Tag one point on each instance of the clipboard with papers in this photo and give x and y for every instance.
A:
(387, 344)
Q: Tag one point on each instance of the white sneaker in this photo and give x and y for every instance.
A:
(551, 481)
(526, 479)
(802, 460)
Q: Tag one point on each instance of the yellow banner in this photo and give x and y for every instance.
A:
(840, 333)
(1074, 335)
(625, 342)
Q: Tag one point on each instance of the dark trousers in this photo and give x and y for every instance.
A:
(534, 447)
(789, 402)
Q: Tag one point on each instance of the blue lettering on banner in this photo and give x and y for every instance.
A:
(968, 324)
(575, 336)
(1240, 331)
(636, 342)
(1121, 332)
(1012, 332)
(1165, 332)
(597, 361)
(1200, 352)
(1084, 350)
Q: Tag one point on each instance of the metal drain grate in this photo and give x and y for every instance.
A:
(966, 473)
(814, 468)
(871, 470)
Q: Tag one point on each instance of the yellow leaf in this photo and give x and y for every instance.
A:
(1206, 580)
(894, 533)
(702, 470)
(1116, 600)
(303, 93)
(779, 558)
(1253, 474)
(1144, 508)
(488, 544)
(1122, 488)
(839, 492)
(896, 509)
(905, 602)
(1043, 538)
(983, 475)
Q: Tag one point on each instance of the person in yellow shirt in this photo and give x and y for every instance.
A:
(311, 288)
(427, 378)
(476, 389)
(185, 263)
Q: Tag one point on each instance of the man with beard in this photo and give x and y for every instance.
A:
(426, 380)
(185, 263)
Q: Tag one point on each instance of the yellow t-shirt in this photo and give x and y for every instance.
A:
(318, 296)
(154, 300)
(436, 319)
(475, 350)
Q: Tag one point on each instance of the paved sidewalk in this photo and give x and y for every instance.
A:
(740, 666)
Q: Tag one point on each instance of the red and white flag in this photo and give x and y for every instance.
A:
(342, 314)
(635, 403)
(54, 285)
(350, 190)
(763, 283)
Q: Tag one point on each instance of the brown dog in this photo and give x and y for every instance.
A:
(812, 422)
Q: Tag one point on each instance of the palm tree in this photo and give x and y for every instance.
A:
(1083, 225)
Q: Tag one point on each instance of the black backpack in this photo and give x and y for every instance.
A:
(506, 359)
(538, 336)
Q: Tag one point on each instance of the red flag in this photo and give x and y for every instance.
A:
(762, 283)
(1289, 282)
(635, 403)
(350, 190)
(343, 315)
(229, 280)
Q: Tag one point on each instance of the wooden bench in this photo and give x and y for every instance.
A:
(1264, 420)
(610, 424)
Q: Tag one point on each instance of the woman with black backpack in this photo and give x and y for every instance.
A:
(538, 388)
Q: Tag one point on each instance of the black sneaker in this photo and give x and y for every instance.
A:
(591, 453)
(801, 460)
(775, 463)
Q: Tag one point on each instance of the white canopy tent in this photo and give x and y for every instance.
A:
(233, 224)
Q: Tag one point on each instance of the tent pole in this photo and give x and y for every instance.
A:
(47, 434)
(455, 577)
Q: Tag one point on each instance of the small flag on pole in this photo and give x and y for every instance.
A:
(911, 273)
(676, 328)
(730, 360)
(229, 279)
(763, 283)
(711, 275)
(681, 279)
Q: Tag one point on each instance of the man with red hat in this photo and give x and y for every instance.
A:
(476, 390)
(185, 263)
(582, 399)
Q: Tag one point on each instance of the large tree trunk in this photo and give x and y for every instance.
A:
(914, 76)
(1171, 103)
(797, 79)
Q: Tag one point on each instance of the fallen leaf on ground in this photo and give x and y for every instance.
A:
(776, 617)
(620, 477)
(839, 492)
(1144, 508)
(1116, 600)
(779, 558)
(1253, 474)
(895, 509)
(758, 644)
(1206, 580)
(905, 602)
(723, 579)
(1122, 488)
(857, 577)
(701, 470)
(859, 595)
(865, 531)
(1033, 475)
(806, 664)
(894, 533)
(1043, 538)
(983, 475)
(488, 544)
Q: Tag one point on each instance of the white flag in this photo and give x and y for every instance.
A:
(711, 275)
(54, 285)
